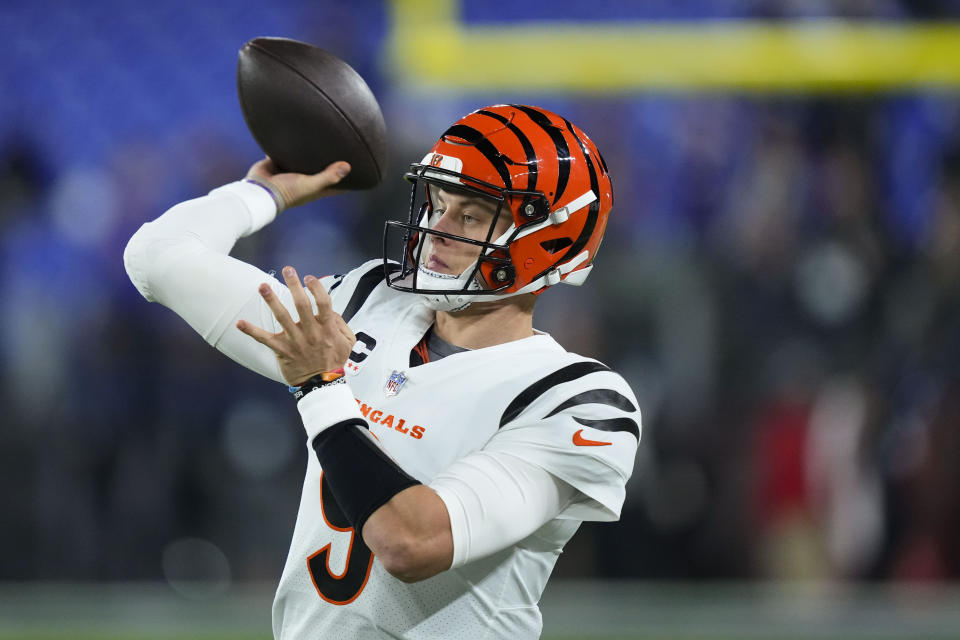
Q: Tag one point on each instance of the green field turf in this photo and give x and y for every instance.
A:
(572, 610)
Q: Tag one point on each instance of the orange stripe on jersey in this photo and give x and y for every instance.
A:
(421, 350)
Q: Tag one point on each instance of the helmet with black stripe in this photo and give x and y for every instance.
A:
(544, 192)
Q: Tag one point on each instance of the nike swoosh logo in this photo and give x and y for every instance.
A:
(580, 441)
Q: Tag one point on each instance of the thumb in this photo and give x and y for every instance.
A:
(330, 176)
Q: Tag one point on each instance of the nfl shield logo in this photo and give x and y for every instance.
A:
(394, 383)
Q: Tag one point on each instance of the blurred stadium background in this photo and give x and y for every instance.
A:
(780, 282)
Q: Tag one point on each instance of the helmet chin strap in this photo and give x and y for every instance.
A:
(463, 292)
(429, 279)
(459, 299)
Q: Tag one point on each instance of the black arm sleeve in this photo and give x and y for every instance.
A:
(361, 476)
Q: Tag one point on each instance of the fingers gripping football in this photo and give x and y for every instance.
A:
(295, 189)
(317, 343)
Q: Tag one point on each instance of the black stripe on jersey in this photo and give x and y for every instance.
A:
(368, 282)
(524, 142)
(608, 397)
(337, 283)
(484, 146)
(563, 151)
(538, 388)
(612, 424)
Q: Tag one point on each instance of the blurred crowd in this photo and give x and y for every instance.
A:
(780, 283)
(794, 329)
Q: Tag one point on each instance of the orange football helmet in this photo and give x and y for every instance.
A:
(540, 170)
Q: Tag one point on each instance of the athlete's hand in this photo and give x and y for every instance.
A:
(316, 344)
(295, 189)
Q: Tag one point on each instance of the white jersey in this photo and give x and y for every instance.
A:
(570, 416)
(529, 397)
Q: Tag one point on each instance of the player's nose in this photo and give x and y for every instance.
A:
(445, 224)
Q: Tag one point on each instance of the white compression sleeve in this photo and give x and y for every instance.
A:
(180, 260)
(495, 500)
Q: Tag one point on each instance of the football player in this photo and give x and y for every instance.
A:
(453, 449)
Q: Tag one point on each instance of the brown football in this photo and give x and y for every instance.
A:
(307, 108)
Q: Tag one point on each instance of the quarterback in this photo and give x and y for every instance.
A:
(453, 449)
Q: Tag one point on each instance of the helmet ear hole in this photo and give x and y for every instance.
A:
(556, 245)
(534, 207)
(503, 275)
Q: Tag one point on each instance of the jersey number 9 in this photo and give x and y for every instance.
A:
(342, 588)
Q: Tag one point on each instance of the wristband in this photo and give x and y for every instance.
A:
(317, 382)
(272, 190)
